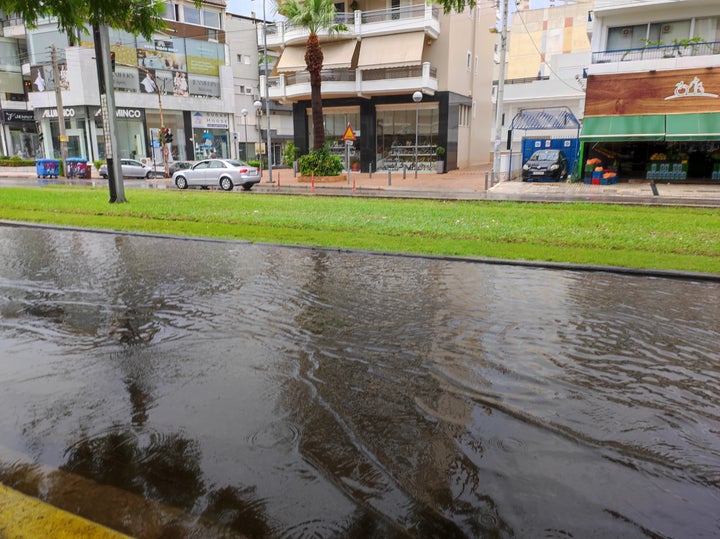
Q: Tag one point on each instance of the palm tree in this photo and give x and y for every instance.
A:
(314, 16)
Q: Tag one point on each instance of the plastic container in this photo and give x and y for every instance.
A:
(77, 167)
(47, 168)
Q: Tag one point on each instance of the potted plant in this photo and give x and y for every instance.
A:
(355, 164)
(440, 163)
(354, 6)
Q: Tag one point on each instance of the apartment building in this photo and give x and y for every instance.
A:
(250, 127)
(18, 134)
(180, 79)
(653, 90)
(544, 92)
(371, 72)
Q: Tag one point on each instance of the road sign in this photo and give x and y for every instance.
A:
(349, 135)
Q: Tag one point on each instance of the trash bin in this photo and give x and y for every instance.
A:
(77, 167)
(47, 168)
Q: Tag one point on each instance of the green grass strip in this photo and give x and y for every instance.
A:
(650, 237)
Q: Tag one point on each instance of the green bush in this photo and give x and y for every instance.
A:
(320, 163)
(98, 163)
(254, 163)
(16, 161)
(290, 154)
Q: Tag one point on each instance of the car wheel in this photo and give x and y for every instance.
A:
(247, 186)
(226, 184)
(150, 175)
(181, 182)
(104, 176)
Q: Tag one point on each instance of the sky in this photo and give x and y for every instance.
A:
(246, 7)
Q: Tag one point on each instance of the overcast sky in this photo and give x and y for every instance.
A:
(246, 7)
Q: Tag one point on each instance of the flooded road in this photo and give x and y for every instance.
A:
(181, 388)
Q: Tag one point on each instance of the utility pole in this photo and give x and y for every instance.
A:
(107, 106)
(499, 97)
(60, 110)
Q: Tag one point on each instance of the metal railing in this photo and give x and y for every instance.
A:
(397, 73)
(657, 52)
(328, 75)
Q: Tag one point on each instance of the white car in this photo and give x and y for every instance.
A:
(130, 169)
(224, 173)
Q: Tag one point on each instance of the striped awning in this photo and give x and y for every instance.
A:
(395, 50)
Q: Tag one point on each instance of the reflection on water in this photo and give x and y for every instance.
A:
(274, 392)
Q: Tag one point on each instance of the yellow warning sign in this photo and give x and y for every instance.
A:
(349, 135)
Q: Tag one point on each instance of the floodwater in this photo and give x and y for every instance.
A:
(181, 388)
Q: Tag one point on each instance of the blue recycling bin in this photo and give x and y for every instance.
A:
(47, 168)
(77, 167)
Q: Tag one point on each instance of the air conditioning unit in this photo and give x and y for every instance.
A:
(248, 91)
(666, 28)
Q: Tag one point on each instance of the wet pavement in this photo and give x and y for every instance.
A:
(184, 388)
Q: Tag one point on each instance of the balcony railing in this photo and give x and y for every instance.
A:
(420, 15)
(397, 73)
(656, 52)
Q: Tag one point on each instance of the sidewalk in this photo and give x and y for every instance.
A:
(467, 184)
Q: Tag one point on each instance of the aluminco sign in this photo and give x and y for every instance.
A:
(53, 113)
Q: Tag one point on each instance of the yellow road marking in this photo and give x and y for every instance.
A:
(23, 517)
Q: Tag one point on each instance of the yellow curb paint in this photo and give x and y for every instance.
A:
(23, 517)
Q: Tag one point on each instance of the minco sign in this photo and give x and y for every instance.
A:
(128, 113)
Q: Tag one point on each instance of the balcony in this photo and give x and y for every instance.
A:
(13, 27)
(676, 56)
(354, 82)
(420, 17)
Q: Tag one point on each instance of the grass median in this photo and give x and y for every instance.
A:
(686, 239)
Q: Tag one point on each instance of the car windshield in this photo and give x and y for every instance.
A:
(545, 155)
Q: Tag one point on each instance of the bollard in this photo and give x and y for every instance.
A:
(312, 182)
(389, 177)
(654, 188)
(404, 172)
(278, 184)
(353, 186)
(416, 169)
(486, 180)
(370, 171)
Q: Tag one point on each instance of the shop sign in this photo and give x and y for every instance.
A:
(19, 116)
(68, 112)
(693, 89)
(210, 120)
(204, 86)
(124, 113)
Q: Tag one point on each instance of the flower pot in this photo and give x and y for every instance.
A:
(440, 167)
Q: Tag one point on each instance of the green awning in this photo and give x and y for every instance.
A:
(619, 128)
(693, 126)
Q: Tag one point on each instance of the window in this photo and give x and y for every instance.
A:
(169, 12)
(463, 115)
(211, 18)
(191, 15)
(243, 59)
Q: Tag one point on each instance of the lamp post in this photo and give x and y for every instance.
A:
(244, 113)
(417, 97)
(499, 99)
(267, 95)
(258, 111)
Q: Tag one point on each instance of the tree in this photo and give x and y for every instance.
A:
(135, 16)
(314, 16)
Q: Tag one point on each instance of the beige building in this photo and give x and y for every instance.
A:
(372, 71)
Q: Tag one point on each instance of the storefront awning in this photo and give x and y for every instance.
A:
(693, 126)
(292, 60)
(396, 50)
(618, 128)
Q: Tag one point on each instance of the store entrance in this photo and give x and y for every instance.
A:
(686, 161)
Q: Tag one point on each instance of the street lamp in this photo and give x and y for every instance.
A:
(244, 113)
(417, 97)
(267, 95)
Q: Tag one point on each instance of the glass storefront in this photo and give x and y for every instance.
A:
(131, 140)
(395, 128)
(211, 135)
(336, 120)
(174, 122)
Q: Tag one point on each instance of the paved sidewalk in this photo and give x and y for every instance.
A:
(467, 184)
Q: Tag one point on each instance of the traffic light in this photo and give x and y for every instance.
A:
(167, 136)
(112, 61)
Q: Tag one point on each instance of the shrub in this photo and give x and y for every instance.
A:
(16, 161)
(321, 163)
(440, 153)
(290, 154)
(98, 163)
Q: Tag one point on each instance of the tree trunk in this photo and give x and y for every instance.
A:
(314, 60)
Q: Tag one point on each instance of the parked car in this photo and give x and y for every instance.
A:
(130, 169)
(179, 165)
(225, 173)
(546, 164)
